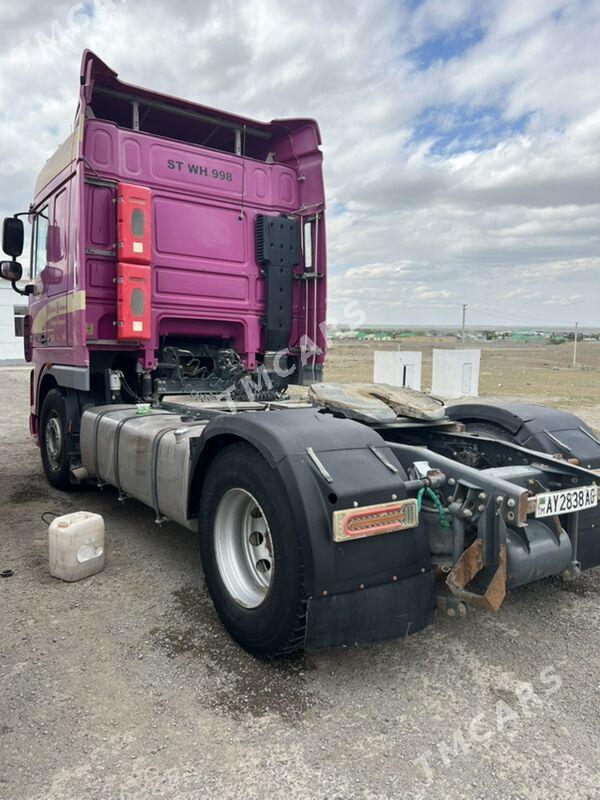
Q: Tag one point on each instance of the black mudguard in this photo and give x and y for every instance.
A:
(529, 425)
(359, 591)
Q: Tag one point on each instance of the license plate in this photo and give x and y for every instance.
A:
(566, 501)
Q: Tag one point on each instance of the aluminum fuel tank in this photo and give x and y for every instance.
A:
(146, 456)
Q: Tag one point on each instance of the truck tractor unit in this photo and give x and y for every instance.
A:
(176, 288)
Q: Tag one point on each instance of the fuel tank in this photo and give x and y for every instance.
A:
(146, 456)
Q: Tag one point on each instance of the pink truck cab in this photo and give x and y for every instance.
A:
(175, 249)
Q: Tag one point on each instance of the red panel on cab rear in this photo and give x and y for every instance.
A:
(133, 223)
(133, 302)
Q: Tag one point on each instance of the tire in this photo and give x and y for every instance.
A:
(53, 440)
(251, 553)
(491, 431)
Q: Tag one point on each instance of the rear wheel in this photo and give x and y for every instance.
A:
(243, 547)
(53, 440)
(251, 553)
(491, 431)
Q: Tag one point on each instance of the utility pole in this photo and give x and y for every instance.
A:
(464, 317)
(575, 346)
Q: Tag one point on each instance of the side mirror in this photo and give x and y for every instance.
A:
(12, 236)
(11, 270)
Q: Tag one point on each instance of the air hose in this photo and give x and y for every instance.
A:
(436, 501)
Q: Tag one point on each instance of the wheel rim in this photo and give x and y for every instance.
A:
(54, 441)
(243, 548)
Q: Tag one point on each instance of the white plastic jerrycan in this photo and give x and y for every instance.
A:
(76, 545)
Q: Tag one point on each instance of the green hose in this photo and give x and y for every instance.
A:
(436, 502)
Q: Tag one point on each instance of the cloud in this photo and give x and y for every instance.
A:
(562, 300)
(461, 140)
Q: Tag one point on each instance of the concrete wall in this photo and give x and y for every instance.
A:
(398, 368)
(455, 373)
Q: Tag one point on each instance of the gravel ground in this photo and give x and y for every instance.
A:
(125, 685)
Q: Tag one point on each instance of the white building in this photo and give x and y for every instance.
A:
(13, 308)
(398, 368)
(455, 373)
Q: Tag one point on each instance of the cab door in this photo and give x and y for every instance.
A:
(55, 275)
(50, 305)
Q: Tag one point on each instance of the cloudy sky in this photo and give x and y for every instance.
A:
(461, 138)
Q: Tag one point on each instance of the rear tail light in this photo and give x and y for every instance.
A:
(134, 235)
(133, 302)
(358, 523)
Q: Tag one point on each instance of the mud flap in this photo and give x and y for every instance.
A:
(393, 610)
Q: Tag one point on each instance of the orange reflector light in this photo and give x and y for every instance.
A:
(357, 523)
